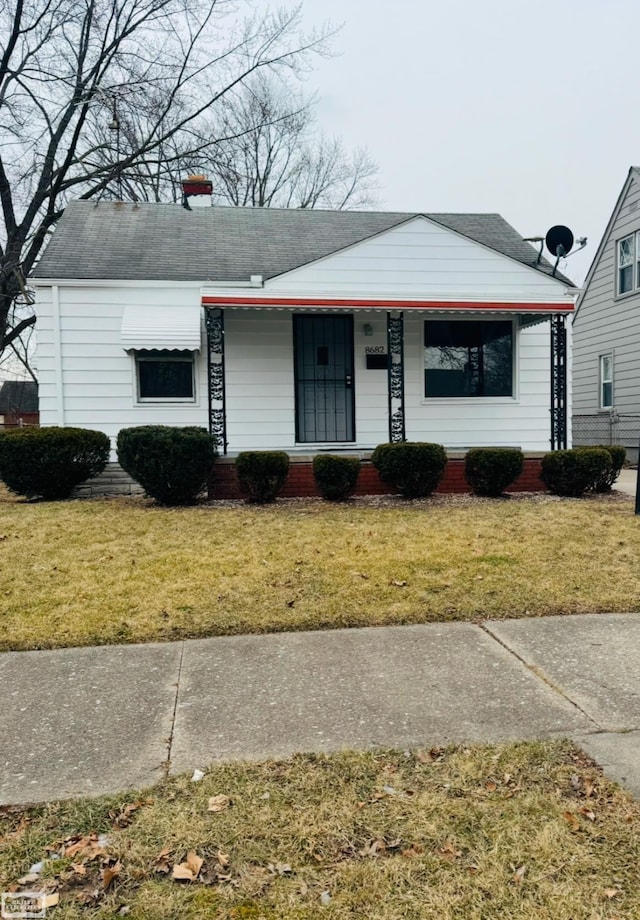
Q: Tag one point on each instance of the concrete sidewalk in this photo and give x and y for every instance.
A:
(626, 482)
(89, 721)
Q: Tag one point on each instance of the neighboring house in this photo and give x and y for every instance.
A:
(302, 330)
(606, 332)
(18, 403)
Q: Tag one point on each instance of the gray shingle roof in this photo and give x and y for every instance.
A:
(18, 396)
(165, 242)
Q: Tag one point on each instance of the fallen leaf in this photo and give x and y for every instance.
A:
(449, 852)
(29, 879)
(413, 851)
(123, 818)
(588, 814)
(223, 859)
(182, 873)
(219, 802)
(435, 755)
(611, 893)
(194, 862)
(51, 900)
(519, 874)
(374, 848)
(571, 820)
(161, 863)
(88, 845)
(280, 868)
(109, 873)
(490, 786)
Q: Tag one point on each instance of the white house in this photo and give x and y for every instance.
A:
(302, 330)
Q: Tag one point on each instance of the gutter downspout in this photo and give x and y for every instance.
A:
(57, 352)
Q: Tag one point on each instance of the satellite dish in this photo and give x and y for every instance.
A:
(559, 241)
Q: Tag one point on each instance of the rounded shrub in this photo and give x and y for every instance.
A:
(261, 474)
(172, 465)
(336, 476)
(50, 462)
(573, 472)
(490, 470)
(414, 468)
(605, 481)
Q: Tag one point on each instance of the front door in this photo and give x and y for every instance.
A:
(323, 356)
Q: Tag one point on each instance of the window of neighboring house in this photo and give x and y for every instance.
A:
(626, 258)
(468, 358)
(165, 376)
(606, 381)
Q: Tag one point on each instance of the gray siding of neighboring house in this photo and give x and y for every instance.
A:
(608, 324)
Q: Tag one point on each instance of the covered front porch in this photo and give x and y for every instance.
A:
(305, 375)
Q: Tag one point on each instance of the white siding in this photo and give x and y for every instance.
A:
(97, 374)
(420, 258)
(260, 389)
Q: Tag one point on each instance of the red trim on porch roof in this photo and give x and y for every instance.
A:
(220, 300)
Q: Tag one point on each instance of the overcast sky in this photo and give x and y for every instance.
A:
(525, 108)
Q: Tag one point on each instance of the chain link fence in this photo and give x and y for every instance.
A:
(608, 428)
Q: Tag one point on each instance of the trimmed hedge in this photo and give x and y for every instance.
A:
(51, 462)
(490, 470)
(618, 455)
(574, 472)
(336, 476)
(414, 468)
(261, 474)
(171, 464)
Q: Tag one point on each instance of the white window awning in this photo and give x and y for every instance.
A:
(155, 328)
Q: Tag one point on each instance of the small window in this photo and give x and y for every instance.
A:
(468, 358)
(625, 264)
(165, 376)
(606, 381)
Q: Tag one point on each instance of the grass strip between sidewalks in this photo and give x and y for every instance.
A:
(529, 831)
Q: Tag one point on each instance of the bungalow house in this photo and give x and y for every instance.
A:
(302, 330)
(606, 332)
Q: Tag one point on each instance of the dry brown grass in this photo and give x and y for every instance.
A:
(92, 572)
(529, 831)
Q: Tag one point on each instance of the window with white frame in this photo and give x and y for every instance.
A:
(626, 258)
(468, 358)
(606, 381)
(165, 376)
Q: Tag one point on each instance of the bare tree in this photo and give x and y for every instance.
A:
(161, 67)
(269, 153)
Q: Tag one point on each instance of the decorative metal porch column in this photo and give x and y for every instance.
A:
(558, 382)
(214, 320)
(395, 350)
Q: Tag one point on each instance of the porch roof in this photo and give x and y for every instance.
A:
(538, 309)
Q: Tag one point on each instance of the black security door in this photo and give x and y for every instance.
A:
(324, 378)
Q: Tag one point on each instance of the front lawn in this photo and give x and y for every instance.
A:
(525, 832)
(105, 571)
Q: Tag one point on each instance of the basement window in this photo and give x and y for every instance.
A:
(165, 376)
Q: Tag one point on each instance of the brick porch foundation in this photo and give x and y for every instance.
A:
(300, 482)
